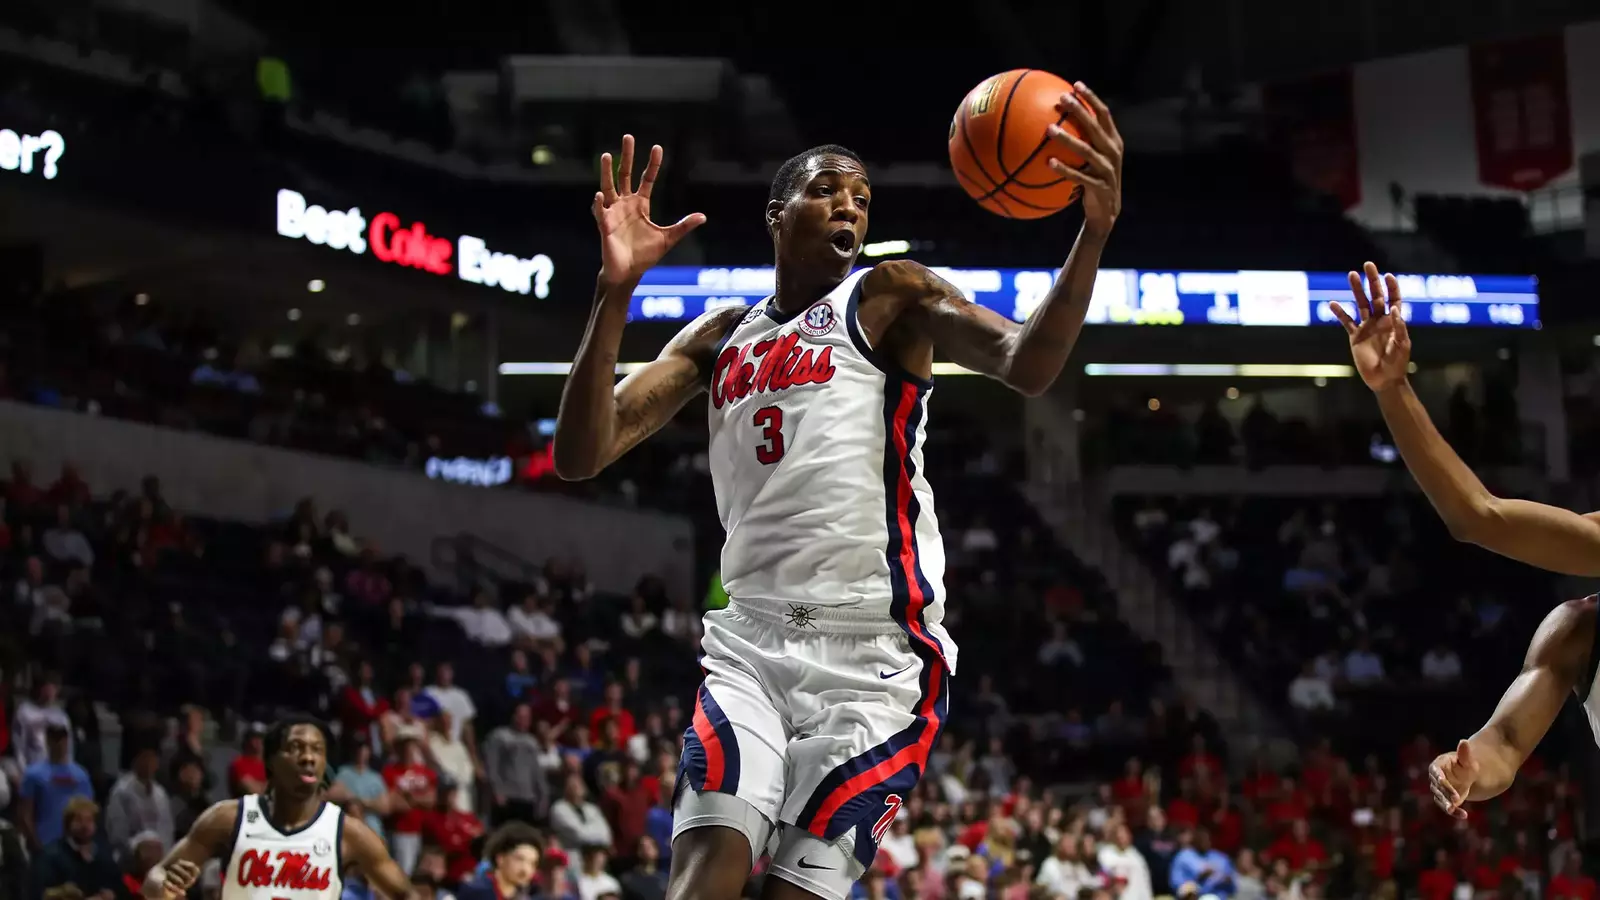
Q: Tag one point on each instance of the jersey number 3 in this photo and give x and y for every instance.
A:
(770, 420)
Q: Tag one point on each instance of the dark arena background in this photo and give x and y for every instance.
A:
(288, 292)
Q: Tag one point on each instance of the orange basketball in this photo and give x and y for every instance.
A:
(999, 148)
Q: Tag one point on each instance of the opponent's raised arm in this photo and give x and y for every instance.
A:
(207, 838)
(599, 419)
(1029, 357)
(1545, 536)
(1485, 764)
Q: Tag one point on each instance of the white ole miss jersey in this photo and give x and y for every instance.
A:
(268, 864)
(816, 457)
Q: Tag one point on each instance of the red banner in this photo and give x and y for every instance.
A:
(1315, 119)
(1520, 111)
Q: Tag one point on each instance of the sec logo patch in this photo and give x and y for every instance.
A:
(817, 321)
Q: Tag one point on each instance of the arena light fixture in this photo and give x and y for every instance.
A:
(885, 248)
(562, 368)
(1216, 370)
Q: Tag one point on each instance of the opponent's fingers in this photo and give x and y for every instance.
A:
(1359, 292)
(608, 185)
(1096, 161)
(625, 169)
(1080, 176)
(1102, 113)
(1344, 318)
(647, 181)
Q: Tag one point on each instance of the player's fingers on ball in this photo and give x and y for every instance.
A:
(1101, 111)
(1080, 176)
(1097, 161)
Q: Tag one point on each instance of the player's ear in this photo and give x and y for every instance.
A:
(774, 215)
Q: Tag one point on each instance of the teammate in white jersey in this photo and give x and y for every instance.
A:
(287, 844)
(826, 675)
(1562, 655)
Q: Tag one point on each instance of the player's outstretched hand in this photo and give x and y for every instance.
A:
(1451, 776)
(629, 242)
(1101, 149)
(181, 876)
(1379, 341)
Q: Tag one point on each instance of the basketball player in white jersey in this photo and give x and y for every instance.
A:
(287, 844)
(1562, 655)
(826, 675)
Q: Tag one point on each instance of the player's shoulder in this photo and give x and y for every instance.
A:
(1566, 637)
(906, 279)
(708, 329)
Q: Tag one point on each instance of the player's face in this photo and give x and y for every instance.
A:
(303, 759)
(823, 225)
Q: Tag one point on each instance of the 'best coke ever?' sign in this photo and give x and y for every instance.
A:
(392, 240)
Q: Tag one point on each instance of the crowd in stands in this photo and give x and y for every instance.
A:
(1247, 431)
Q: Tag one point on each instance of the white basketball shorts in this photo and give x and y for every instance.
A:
(819, 720)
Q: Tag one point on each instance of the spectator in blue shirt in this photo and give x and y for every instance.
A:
(47, 787)
(1202, 867)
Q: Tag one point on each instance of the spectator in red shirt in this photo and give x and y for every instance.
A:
(454, 831)
(413, 790)
(1201, 762)
(559, 710)
(1182, 812)
(20, 493)
(247, 774)
(70, 488)
(1302, 851)
(361, 706)
(1288, 806)
(612, 709)
(1571, 884)
(626, 805)
(1439, 882)
(1128, 790)
(1261, 784)
(1226, 825)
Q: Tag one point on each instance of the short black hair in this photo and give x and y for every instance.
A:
(787, 181)
(509, 837)
(272, 743)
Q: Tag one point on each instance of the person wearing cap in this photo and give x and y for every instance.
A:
(48, 786)
(138, 803)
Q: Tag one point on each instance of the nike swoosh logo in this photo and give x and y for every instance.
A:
(806, 865)
(888, 675)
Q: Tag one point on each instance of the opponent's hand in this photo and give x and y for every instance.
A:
(1101, 150)
(629, 242)
(180, 876)
(1379, 342)
(1450, 778)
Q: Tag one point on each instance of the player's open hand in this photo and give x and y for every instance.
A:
(629, 242)
(1450, 778)
(1379, 341)
(1101, 150)
(180, 876)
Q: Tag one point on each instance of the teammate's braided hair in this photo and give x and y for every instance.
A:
(278, 732)
(787, 181)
